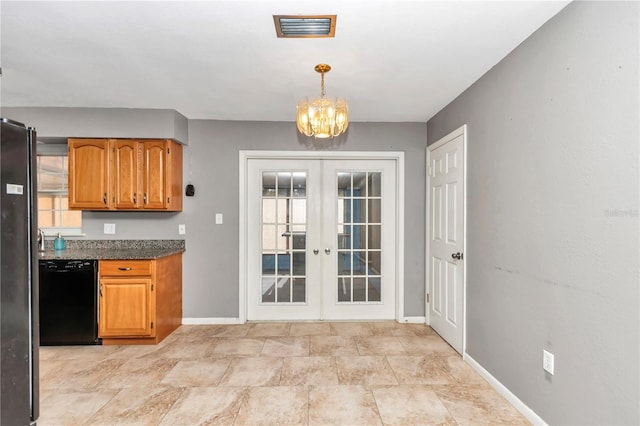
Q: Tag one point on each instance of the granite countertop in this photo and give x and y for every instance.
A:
(113, 249)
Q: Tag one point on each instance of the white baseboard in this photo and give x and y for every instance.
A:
(414, 320)
(506, 393)
(211, 321)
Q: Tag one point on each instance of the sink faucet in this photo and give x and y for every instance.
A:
(40, 240)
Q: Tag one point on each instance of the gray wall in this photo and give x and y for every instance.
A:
(211, 262)
(211, 163)
(55, 124)
(552, 204)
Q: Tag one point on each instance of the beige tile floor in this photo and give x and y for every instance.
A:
(375, 373)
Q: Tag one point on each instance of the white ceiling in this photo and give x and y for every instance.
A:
(392, 60)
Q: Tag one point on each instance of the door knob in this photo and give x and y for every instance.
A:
(316, 251)
(327, 250)
(457, 255)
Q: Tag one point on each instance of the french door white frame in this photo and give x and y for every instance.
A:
(462, 130)
(245, 156)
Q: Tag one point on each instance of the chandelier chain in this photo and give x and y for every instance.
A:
(322, 85)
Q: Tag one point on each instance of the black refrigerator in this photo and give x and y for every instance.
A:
(19, 335)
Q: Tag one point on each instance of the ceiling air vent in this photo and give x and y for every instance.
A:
(298, 26)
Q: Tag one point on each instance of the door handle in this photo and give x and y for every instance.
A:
(327, 250)
(316, 251)
(457, 255)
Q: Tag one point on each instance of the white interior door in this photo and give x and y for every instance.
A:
(321, 239)
(446, 238)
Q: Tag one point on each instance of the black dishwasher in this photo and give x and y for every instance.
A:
(68, 302)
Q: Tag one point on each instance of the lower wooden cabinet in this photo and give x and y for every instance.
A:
(127, 307)
(140, 301)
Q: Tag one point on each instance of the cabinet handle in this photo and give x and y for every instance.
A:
(104, 198)
(100, 289)
(134, 198)
(145, 198)
(125, 268)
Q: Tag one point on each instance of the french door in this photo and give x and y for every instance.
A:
(321, 239)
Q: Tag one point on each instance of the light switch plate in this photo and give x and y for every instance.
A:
(182, 229)
(218, 218)
(109, 228)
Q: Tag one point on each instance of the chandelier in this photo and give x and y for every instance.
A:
(320, 117)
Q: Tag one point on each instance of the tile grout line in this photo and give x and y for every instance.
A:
(443, 404)
(184, 390)
(393, 371)
(244, 398)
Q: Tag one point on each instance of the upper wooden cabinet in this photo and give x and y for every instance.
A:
(126, 171)
(89, 174)
(135, 174)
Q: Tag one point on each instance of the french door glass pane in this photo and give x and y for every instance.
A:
(268, 289)
(359, 289)
(359, 210)
(268, 264)
(344, 289)
(284, 290)
(269, 184)
(374, 291)
(284, 184)
(299, 184)
(359, 262)
(299, 290)
(359, 230)
(284, 221)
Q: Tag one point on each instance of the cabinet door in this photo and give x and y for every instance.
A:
(89, 174)
(155, 178)
(127, 307)
(126, 164)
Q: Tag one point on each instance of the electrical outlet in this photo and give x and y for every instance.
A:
(109, 228)
(547, 361)
(182, 229)
(218, 218)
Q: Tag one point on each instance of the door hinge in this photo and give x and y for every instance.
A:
(151, 287)
(151, 324)
(428, 300)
